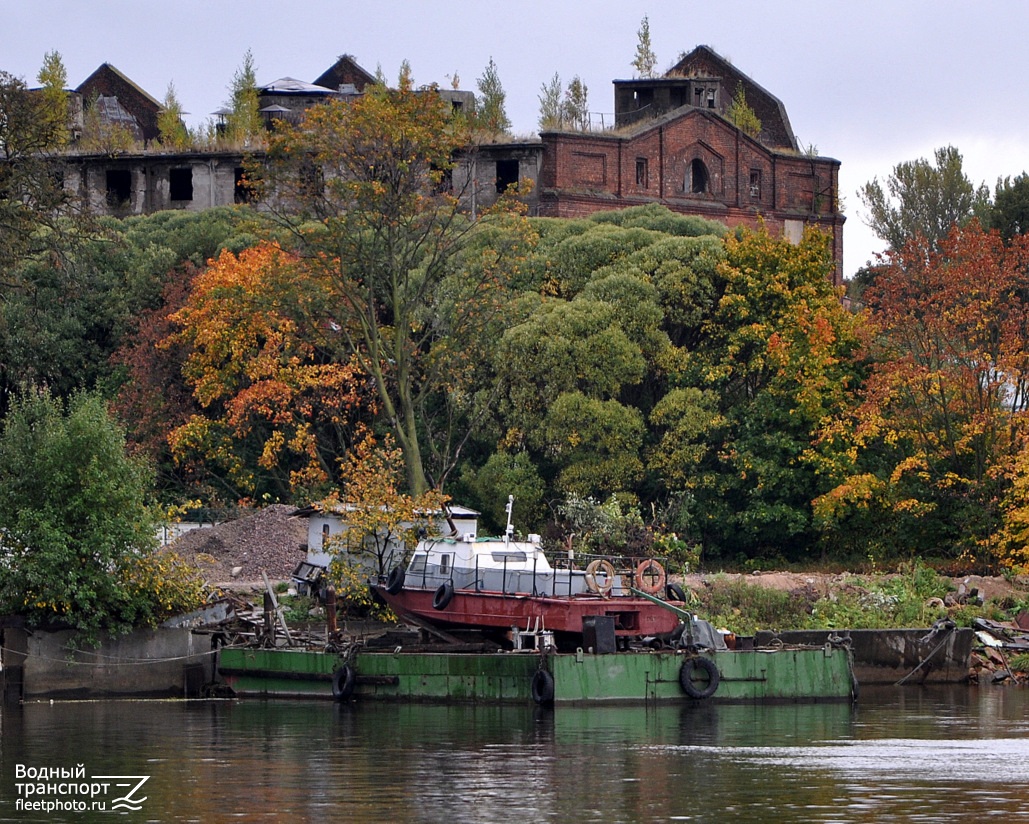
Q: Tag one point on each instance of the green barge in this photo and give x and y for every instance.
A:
(781, 674)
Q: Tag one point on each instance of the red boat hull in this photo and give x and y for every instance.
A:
(495, 610)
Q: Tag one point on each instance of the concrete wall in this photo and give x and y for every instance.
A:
(159, 662)
(211, 176)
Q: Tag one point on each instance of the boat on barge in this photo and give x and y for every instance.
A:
(501, 585)
(544, 633)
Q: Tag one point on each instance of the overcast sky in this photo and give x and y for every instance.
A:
(871, 83)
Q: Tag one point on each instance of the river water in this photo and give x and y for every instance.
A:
(900, 754)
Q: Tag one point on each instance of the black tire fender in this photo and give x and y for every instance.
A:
(674, 592)
(705, 688)
(543, 687)
(395, 581)
(343, 681)
(443, 595)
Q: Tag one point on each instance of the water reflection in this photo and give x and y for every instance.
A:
(901, 754)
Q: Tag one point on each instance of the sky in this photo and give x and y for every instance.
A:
(872, 83)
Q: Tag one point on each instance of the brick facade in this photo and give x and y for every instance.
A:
(110, 82)
(694, 161)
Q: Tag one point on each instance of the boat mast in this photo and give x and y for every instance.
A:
(510, 528)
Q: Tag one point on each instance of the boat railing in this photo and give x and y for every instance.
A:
(584, 573)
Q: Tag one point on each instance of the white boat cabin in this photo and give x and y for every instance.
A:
(500, 565)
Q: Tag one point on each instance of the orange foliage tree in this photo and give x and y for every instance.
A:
(381, 520)
(365, 189)
(279, 404)
(934, 443)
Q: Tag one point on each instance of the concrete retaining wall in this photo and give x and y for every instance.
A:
(159, 662)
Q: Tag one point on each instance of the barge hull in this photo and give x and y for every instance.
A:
(818, 674)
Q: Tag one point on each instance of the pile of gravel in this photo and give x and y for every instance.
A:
(259, 540)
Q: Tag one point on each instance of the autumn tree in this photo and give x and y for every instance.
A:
(738, 431)
(742, 115)
(53, 77)
(173, 132)
(104, 135)
(279, 405)
(244, 125)
(645, 59)
(576, 105)
(32, 198)
(491, 110)
(364, 188)
(381, 520)
(551, 109)
(933, 446)
(924, 199)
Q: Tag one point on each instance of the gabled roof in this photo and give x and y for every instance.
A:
(345, 71)
(705, 61)
(108, 82)
(105, 72)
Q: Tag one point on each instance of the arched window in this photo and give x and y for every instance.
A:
(325, 535)
(697, 178)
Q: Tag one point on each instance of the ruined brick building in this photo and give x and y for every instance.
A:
(672, 142)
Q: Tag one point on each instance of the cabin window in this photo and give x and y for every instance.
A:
(444, 564)
(697, 178)
(180, 184)
(417, 565)
(641, 172)
(119, 186)
(507, 175)
(509, 557)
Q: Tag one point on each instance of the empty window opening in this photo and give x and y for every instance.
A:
(507, 174)
(119, 186)
(456, 106)
(698, 180)
(180, 184)
(641, 172)
(442, 180)
(241, 191)
(755, 184)
(710, 98)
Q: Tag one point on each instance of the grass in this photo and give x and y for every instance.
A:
(911, 598)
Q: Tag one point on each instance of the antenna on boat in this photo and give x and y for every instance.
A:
(510, 528)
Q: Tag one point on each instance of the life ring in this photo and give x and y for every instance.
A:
(343, 682)
(650, 577)
(543, 687)
(443, 595)
(600, 576)
(674, 592)
(707, 685)
(395, 582)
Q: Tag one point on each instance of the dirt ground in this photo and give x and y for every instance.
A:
(822, 584)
